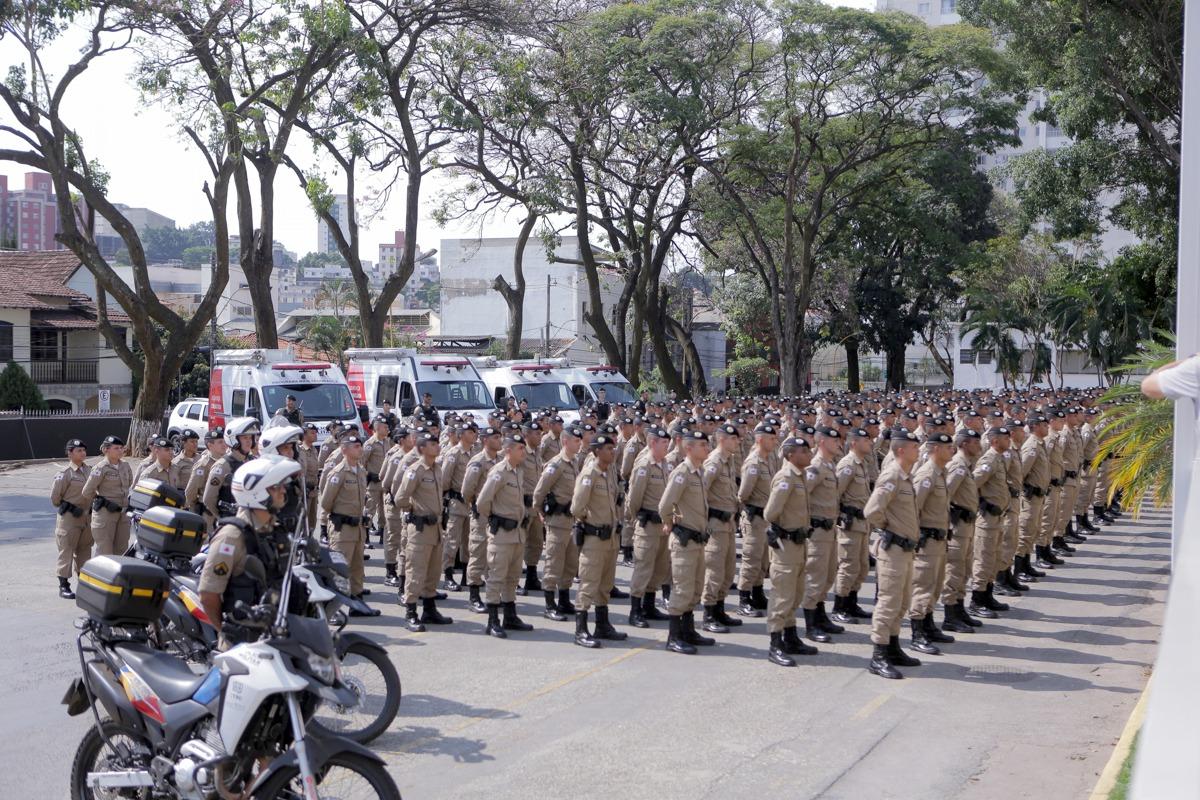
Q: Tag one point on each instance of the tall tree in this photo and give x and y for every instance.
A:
(42, 136)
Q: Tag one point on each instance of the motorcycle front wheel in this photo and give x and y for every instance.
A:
(346, 776)
(373, 677)
(128, 751)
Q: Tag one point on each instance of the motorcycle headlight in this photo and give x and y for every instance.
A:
(324, 669)
(342, 583)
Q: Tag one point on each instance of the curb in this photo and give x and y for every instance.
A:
(1108, 777)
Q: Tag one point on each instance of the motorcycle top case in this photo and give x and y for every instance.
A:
(168, 531)
(148, 493)
(117, 590)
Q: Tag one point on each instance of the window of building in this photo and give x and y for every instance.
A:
(949, 6)
(6, 343)
(43, 344)
(966, 356)
(984, 357)
(923, 8)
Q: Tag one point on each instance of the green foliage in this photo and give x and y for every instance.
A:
(17, 390)
(748, 374)
(330, 336)
(1139, 431)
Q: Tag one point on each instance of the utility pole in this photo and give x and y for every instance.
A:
(549, 281)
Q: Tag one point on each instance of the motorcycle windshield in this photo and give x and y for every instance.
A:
(310, 633)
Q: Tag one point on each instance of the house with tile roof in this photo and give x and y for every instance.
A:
(50, 329)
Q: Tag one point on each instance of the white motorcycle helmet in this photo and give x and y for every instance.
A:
(272, 438)
(240, 426)
(252, 480)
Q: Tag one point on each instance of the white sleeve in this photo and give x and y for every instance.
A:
(1182, 380)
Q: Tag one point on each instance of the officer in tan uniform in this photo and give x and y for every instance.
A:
(72, 535)
(307, 456)
(594, 506)
(241, 435)
(720, 556)
(160, 464)
(960, 549)
(1072, 466)
(1090, 443)
(552, 440)
(824, 509)
(892, 514)
(1048, 556)
(477, 540)
(373, 451)
(107, 491)
(420, 495)
(788, 529)
(502, 508)
(758, 467)
(651, 544)
(457, 513)
(929, 559)
(992, 481)
(1006, 582)
(535, 535)
(684, 512)
(344, 498)
(214, 451)
(189, 441)
(855, 476)
(633, 441)
(395, 531)
(1035, 465)
(551, 496)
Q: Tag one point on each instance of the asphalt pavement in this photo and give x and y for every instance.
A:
(1028, 707)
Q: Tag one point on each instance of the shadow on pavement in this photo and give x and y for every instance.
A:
(420, 740)
(426, 705)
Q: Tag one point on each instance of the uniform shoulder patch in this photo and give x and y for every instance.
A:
(680, 479)
(225, 548)
(412, 473)
(199, 471)
(473, 468)
(889, 486)
(925, 484)
(845, 471)
(216, 481)
(641, 471)
(985, 468)
(220, 569)
(552, 468)
(335, 479)
(587, 481)
(783, 484)
(752, 471)
(58, 477)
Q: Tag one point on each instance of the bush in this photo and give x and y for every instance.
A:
(17, 390)
(747, 374)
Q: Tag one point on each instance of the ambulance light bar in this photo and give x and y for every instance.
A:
(302, 366)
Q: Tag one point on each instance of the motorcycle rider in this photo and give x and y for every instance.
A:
(241, 435)
(283, 441)
(245, 557)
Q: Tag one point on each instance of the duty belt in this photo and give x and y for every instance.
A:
(420, 520)
(69, 508)
(646, 515)
(990, 509)
(454, 494)
(601, 532)
(686, 535)
(775, 533)
(339, 520)
(960, 514)
(496, 522)
(887, 539)
(822, 523)
(851, 511)
(551, 506)
(723, 516)
(1033, 491)
(1072, 474)
(937, 534)
(1056, 481)
(753, 511)
(107, 505)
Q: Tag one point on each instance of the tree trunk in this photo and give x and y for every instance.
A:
(146, 421)
(853, 380)
(895, 368)
(514, 294)
(698, 384)
(662, 353)
(258, 283)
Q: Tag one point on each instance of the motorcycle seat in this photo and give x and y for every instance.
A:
(190, 581)
(167, 676)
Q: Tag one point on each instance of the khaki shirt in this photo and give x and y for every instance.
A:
(185, 465)
(992, 480)
(1090, 443)
(893, 503)
(68, 486)
(501, 496)
(593, 500)
(421, 491)
(308, 459)
(531, 469)
(346, 490)
(757, 470)
(195, 483)
(374, 450)
(933, 500)
(787, 505)
(110, 481)
(220, 474)
(647, 482)
(1035, 463)
(629, 454)
(853, 481)
(1072, 451)
(684, 501)
(476, 473)
(822, 484)
(454, 470)
(720, 481)
(392, 471)
(960, 482)
(1054, 453)
(558, 479)
(327, 449)
(152, 471)
(549, 447)
(227, 554)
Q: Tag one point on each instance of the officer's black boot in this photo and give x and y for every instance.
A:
(689, 632)
(856, 611)
(64, 589)
(474, 601)
(552, 611)
(880, 665)
(746, 605)
(564, 602)
(841, 610)
(990, 599)
(776, 653)
(1010, 580)
(952, 619)
(966, 617)
(430, 614)
(794, 645)
(979, 606)
(758, 598)
(1023, 569)
(1001, 587)
(1043, 558)
(511, 621)
(666, 596)
(494, 628)
(627, 555)
(811, 629)
(1059, 546)
(636, 618)
(412, 620)
(451, 584)
(324, 535)
(463, 580)
(650, 609)
(1073, 534)
(897, 657)
(825, 622)
(1085, 523)
(583, 637)
(532, 584)
(725, 619)
(920, 640)
(1101, 515)
(675, 637)
(604, 628)
(400, 585)
(615, 593)
(933, 633)
(711, 623)
(1051, 556)
(390, 578)
(1030, 569)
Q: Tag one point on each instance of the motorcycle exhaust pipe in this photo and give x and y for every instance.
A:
(134, 778)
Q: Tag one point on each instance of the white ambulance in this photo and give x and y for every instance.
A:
(586, 382)
(540, 383)
(402, 376)
(256, 382)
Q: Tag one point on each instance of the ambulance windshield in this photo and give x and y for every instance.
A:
(545, 395)
(616, 391)
(318, 401)
(456, 394)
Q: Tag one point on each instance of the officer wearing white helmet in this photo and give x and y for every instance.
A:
(241, 435)
(244, 559)
(284, 441)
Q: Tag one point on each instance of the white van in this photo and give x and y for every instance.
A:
(539, 383)
(401, 376)
(256, 382)
(585, 382)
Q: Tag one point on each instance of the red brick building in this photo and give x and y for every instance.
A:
(29, 216)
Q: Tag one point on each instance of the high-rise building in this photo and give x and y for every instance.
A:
(28, 217)
(326, 241)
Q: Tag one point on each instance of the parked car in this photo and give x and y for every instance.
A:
(189, 415)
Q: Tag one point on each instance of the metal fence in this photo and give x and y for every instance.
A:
(85, 370)
(42, 434)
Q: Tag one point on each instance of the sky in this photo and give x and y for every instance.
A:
(153, 166)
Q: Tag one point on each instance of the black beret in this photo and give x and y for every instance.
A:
(73, 443)
(765, 427)
(728, 430)
(658, 433)
(216, 433)
(160, 441)
(939, 438)
(189, 434)
(832, 433)
(351, 438)
(111, 440)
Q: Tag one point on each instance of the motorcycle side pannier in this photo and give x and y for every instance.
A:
(148, 493)
(167, 531)
(117, 590)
